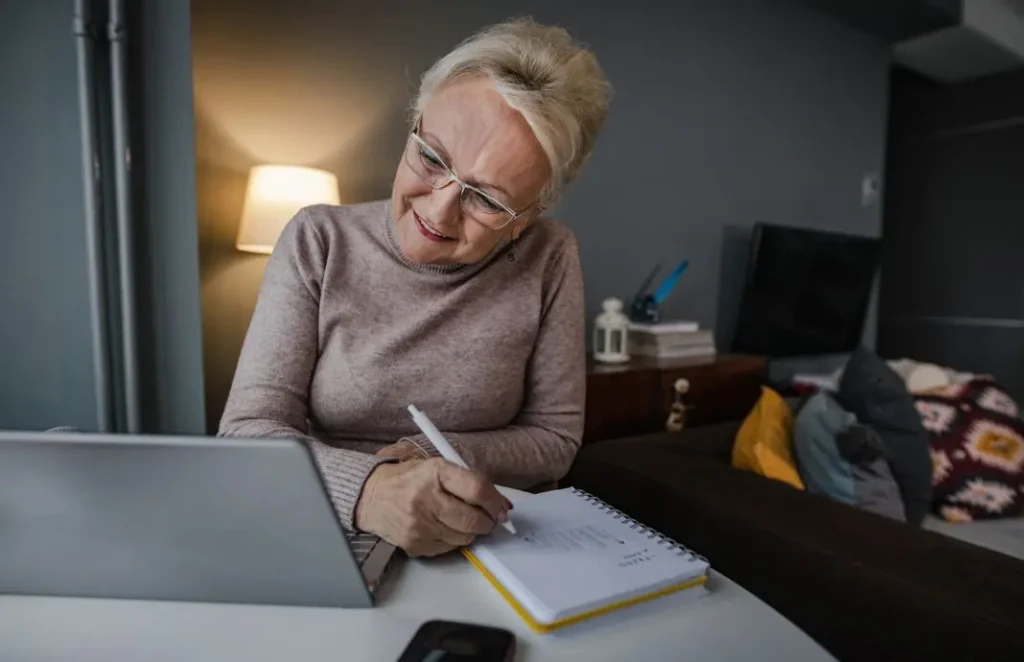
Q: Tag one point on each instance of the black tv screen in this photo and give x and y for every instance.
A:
(807, 292)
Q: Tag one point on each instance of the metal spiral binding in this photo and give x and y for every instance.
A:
(620, 516)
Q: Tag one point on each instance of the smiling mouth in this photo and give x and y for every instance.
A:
(428, 231)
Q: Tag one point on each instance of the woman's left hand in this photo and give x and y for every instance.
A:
(403, 450)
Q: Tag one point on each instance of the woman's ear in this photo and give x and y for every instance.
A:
(520, 224)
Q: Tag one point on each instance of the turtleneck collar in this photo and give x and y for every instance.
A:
(395, 247)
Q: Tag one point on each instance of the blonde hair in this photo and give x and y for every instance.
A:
(556, 85)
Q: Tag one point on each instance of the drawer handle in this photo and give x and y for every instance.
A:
(677, 412)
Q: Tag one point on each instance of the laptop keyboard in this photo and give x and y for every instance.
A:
(361, 545)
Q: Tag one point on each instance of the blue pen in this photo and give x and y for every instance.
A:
(669, 283)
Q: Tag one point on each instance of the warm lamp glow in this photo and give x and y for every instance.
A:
(275, 194)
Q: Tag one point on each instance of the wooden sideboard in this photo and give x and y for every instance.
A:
(634, 398)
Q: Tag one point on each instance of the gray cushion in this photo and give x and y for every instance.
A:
(844, 460)
(877, 396)
(822, 468)
(874, 487)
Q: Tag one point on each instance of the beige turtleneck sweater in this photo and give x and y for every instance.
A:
(347, 333)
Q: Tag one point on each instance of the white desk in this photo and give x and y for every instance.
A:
(724, 623)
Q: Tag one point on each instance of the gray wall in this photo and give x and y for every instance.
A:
(167, 261)
(726, 113)
(46, 372)
(893, 21)
(46, 366)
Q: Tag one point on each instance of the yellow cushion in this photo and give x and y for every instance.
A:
(764, 443)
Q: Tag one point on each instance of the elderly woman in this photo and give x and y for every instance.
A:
(455, 295)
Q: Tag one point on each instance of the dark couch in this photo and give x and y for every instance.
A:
(865, 587)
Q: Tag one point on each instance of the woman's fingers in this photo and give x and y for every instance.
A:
(453, 537)
(462, 518)
(428, 507)
(472, 488)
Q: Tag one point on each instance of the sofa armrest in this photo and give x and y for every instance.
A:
(864, 586)
(715, 441)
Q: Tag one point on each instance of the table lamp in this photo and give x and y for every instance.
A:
(275, 193)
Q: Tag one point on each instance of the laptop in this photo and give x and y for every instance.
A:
(194, 519)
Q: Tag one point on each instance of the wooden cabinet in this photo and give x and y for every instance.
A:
(634, 398)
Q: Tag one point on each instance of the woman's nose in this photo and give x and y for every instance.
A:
(444, 207)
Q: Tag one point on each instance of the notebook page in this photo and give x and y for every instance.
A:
(570, 557)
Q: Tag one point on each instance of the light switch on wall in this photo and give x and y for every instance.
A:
(869, 190)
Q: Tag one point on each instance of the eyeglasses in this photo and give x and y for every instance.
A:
(432, 169)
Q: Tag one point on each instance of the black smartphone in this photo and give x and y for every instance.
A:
(447, 641)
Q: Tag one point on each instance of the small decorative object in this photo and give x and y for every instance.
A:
(677, 412)
(645, 306)
(611, 331)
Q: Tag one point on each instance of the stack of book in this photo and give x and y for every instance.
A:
(671, 340)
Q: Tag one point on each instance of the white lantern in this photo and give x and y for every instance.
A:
(610, 333)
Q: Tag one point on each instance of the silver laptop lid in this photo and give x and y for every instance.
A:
(170, 518)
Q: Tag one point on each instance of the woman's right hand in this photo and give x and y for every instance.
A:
(428, 507)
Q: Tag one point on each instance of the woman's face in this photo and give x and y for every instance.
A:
(489, 146)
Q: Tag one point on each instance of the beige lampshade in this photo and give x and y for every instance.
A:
(274, 195)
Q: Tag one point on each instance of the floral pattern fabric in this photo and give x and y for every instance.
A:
(977, 449)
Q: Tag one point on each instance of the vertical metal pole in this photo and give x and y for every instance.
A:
(98, 305)
(125, 239)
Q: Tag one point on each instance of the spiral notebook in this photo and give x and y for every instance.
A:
(575, 557)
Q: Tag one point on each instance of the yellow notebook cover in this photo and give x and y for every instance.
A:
(574, 558)
(544, 628)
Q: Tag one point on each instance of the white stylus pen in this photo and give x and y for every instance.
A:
(444, 447)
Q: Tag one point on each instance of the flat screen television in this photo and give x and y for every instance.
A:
(806, 293)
